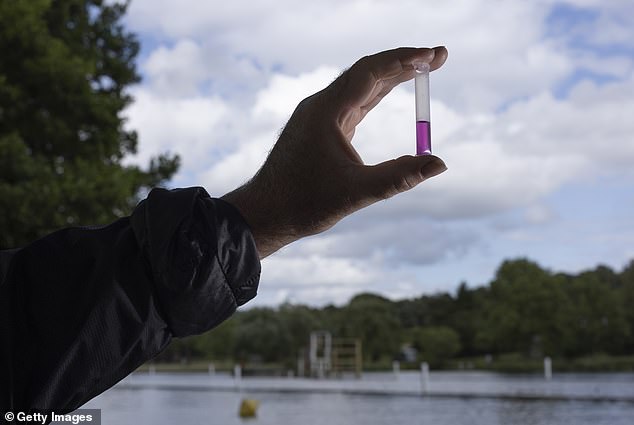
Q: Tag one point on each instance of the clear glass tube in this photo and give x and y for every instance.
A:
(423, 116)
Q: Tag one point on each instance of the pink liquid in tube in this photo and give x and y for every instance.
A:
(423, 138)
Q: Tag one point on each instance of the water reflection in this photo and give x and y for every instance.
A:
(199, 406)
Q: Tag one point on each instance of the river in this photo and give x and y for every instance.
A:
(456, 398)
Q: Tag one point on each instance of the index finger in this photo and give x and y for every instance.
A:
(381, 72)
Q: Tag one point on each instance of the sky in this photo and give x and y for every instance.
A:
(533, 113)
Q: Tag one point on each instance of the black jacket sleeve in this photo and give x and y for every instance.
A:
(82, 308)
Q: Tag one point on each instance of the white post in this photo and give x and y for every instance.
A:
(211, 369)
(237, 375)
(396, 368)
(424, 378)
(548, 368)
(320, 371)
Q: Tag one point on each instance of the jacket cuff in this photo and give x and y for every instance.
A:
(201, 256)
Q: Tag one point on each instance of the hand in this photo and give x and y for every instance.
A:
(313, 176)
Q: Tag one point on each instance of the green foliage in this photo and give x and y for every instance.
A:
(219, 344)
(373, 319)
(468, 316)
(300, 321)
(65, 69)
(261, 334)
(599, 321)
(436, 344)
(526, 311)
(626, 295)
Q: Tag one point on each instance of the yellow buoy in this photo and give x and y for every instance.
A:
(248, 408)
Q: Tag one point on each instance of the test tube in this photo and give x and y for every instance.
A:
(423, 121)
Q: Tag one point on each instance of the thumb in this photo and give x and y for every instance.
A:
(384, 180)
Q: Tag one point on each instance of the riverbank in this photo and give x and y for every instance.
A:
(616, 387)
(513, 363)
(507, 363)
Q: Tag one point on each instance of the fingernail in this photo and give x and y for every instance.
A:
(433, 167)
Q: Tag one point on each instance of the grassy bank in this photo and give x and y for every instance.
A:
(193, 366)
(514, 363)
(218, 366)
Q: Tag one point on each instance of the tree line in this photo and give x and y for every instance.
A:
(525, 310)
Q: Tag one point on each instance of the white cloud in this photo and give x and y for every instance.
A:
(283, 92)
(413, 241)
(304, 271)
(295, 276)
(593, 123)
(186, 126)
(539, 214)
(606, 23)
(500, 47)
(314, 277)
(176, 71)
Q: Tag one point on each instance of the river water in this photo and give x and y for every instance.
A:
(456, 398)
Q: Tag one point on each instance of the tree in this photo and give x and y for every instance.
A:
(627, 301)
(467, 317)
(64, 74)
(373, 319)
(436, 344)
(526, 311)
(261, 333)
(300, 321)
(426, 310)
(218, 343)
(599, 316)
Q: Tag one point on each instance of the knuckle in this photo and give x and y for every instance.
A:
(403, 184)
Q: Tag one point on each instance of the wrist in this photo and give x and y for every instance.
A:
(269, 234)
